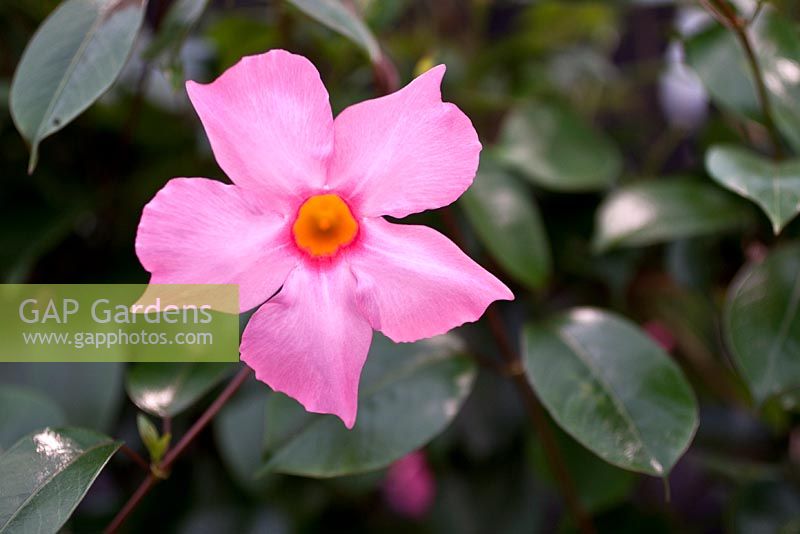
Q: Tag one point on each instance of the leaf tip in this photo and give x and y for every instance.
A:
(667, 489)
(34, 158)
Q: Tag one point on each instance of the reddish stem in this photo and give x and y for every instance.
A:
(174, 453)
(515, 370)
(136, 457)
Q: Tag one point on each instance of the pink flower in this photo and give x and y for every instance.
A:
(305, 215)
(409, 486)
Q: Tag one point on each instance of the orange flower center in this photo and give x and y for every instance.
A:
(324, 224)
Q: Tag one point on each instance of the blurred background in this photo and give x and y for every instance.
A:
(572, 100)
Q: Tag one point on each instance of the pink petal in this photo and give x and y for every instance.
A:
(200, 231)
(311, 341)
(405, 152)
(415, 283)
(270, 124)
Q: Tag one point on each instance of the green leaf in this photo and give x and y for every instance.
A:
(715, 55)
(409, 394)
(778, 51)
(155, 443)
(762, 323)
(719, 60)
(651, 212)
(73, 58)
(507, 222)
(23, 410)
(47, 474)
(553, 147)
(89, 393)
(774, 186)
(612, 389)
(167, 389)
(334, 15)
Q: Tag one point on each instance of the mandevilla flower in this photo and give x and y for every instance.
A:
(304, 215)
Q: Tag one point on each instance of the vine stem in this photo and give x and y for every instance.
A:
(725, 13)
(135, 457)
(515, 371)
(555, 461)
(156, 472)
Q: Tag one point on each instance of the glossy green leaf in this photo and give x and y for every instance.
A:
(167, 389)
(47, 474)
(89, 393)
(507, 221)
(719, 60)
(334, 14)
(409, 393)
(23, 410)
(73, 58)
(651, 212)
(611, 388)
(774, 186)
(762, 323)
(553, 147)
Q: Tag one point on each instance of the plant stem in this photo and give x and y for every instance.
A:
(515, 371)
(721, 8)
(198, 426)
(126, 511)
(175, 452)
(756, 11)
(135, 457)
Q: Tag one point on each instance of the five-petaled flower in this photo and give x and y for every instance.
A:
(304, 215)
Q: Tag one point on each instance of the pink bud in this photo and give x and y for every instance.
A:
(662, 335)
(409, 487)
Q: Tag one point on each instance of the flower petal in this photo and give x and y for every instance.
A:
(200, 231)
(405, 152)
(270, 125)
(415, 283)
(311, 341)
